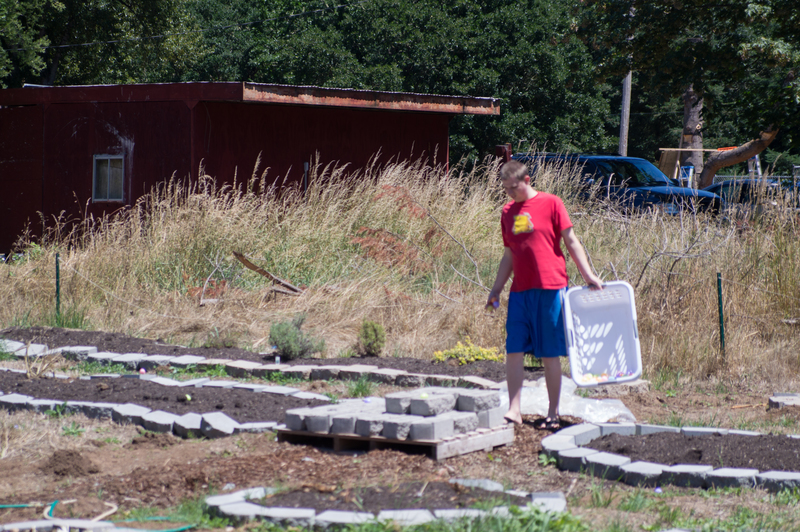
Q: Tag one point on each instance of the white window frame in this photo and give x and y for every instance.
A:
(108, 158)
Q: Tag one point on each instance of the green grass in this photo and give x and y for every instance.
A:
(363, 387)
(95, 368)
(191, 511)
(282, 379)
(72, 317)
(635, 502)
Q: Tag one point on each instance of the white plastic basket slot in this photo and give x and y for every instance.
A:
(602, 337)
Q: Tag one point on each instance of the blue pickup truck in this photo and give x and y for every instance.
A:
(633, 182)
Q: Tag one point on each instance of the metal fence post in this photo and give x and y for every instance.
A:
(58, 288)
(721, 317)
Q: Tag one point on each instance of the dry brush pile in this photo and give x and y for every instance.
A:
(412, 248)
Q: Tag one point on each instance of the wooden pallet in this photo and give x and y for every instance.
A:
(477, 440)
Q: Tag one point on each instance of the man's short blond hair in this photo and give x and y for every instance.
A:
(513, 170)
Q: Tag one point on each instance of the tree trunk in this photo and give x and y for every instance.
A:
(692, 130)
(737, 155)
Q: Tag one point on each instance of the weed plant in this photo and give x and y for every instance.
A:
(362, 387)
(412, 248)
(291, 341)
(371, 339)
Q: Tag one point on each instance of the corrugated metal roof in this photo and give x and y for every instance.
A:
(256, 93)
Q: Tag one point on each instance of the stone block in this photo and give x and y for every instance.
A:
(14, 401)
(463, 422)
(159, 421)
(549, 501)
(411, 380)
(78, 352)
(731, 477)
(355, 372)
(33, 526)
(241, 368)
(482, 483)
(43, 405)
(432, 405)
(477, 400)
(781, 400)
(406, 517)
(299, 372)
(92, 410)
(154, 361)
(280, 390)
(642, 474)
(311, 395)
(32, 350)
(187, 425)
(164, 381)
(644, 429)
(129, 413)
(129, 360)
(184, 361)
(211, 363)
(686, 475)
(778, 480)
(398, 428)
(371, 424)
(400, 402)
(103, 357)
(218, 384)
(338, 518)
(101, 376)
(11, 346)
(432, 428)
(217, 425)
(318, 420)
(385, 376)
(249, 387)
(702, 431)
(552, 445)
(441, 380)
(267, 370)
(290, 517)
(583, 433)
(296, 418)
(574, 459)
(489, 419)
(216, 501)
(258, 426)
(456, 514)
(734, 432)
(82, 524)
(476, 382)
(623, 429)
(194, 383)
(325, 373)
(241, 512)
(343, 423)
(606, 465)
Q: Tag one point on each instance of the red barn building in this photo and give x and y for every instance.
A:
(93, 149)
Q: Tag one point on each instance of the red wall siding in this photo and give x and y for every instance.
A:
(229, 136)
(20, 172)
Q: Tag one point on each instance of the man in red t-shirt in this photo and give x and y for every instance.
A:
(533, 225)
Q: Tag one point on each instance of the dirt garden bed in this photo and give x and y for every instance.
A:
(121, 343)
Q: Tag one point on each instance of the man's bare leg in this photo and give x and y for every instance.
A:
(552, 378)
(514, 375)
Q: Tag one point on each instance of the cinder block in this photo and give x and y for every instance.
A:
(185, 361)
(552, 445)
(129, 413)
(296, 418)
(476, 382)
(129, 360)
(432, 428)
(242, 512)
(686, 475)
(318, 421)
(398, 428)
(400, 402)
(187, 425)
(583, 433)
(241, 368)
(153, 361)
(217, 425)
(433, 405)
(642, 474)
(489, 419)
(606, 465)
(623, 429)
(355, 372)
(159, 421)
(574, 459)
(778, 480)
(477, 400)
(463, 422)
(731, 477)
(644, 429)
(343, 423)
(370, 424)
(11, 346)
(325, 373)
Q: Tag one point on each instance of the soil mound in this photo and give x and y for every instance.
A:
(150, 439)
(65, 463)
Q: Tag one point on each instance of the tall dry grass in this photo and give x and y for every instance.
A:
(412, 248)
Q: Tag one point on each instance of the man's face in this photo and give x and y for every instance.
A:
(517, 189)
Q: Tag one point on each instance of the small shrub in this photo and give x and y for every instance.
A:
(362, 387)
(468, 352)
(371, 339)
(291, 342)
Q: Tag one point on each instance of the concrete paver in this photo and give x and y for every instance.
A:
(187, 425)
(606, 465)
(778, 480)
(241, 368)
(731, 477)
(642, 474)
(432, 428)
(129, 413)
(129, 360)
(432, 405)
(153, 361)
(337, 517)
(482, 483)
(159, 421)
(218, 425)
(623, 429)
(686, 475)
(702, 431)
(556, 443)
(583, 433)
(574, 459)
(643, 429)
(549, 501)
(477, 400)
(185, 361)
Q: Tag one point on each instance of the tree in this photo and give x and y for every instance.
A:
(22, 45)
(686, 47)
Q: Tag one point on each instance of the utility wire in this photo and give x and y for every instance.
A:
(201, 30)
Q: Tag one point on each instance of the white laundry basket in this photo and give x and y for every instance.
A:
(602, 336)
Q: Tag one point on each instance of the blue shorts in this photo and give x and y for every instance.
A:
(535, 323)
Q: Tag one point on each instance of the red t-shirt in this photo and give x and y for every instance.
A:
(532, 230)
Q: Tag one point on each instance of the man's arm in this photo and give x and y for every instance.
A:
(503, 273)
(579, 256)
